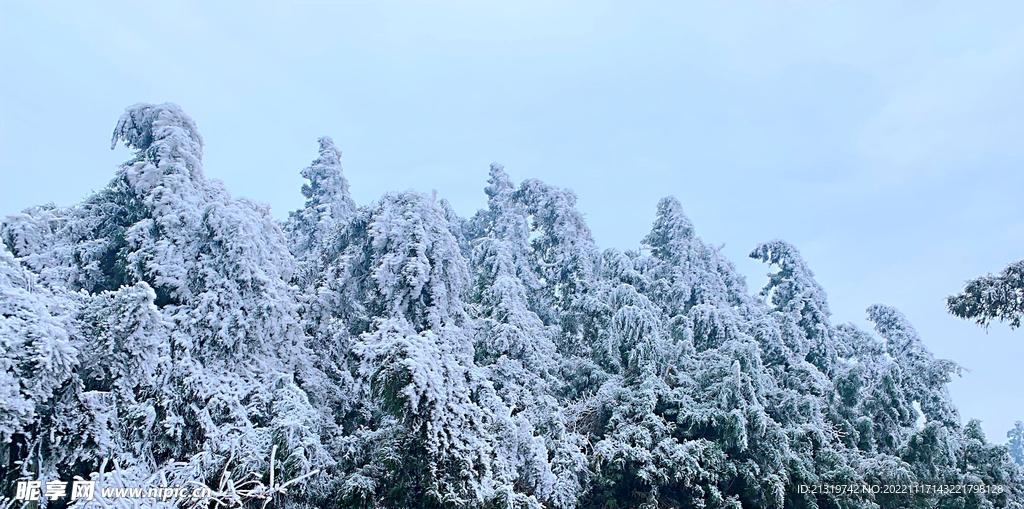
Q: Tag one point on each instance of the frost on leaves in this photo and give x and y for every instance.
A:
(397, 355)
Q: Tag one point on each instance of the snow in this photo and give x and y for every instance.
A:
(397, 355)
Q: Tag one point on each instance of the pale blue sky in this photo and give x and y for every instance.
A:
(882, 139)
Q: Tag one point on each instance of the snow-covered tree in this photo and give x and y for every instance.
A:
(518, 355)
(312, 231)
(427, 439)
(690, 272)
(38, 356)
(991, 297)
(798, 304)
(565, 258)
(185, 331)
(1016, 442)
(398, 355)
(925, 378)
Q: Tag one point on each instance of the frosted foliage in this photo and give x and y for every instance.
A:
(518, 355)
(167, 141)
(426, 381)
(798, 304)
(687, 272)
(792, 289)
(926, 378)
(312, 229)
(989, 298)
(182, 322)
(38, 355)
(1016, 442)
(398, 355)
(417, 269)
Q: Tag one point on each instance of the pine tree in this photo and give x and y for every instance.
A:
(690, 272)
(316, 236)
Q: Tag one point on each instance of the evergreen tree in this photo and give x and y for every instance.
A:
(39, 357)
(691, 273)
(991, 297)
(565, 259)
(798, 303)
(187, 336)
(398, 355)
(428, 438)
(1016, 442)
(925, 378)
(312, 230)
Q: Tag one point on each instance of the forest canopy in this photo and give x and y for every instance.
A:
(395, 354)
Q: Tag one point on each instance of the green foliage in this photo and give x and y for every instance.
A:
(400, 356)
(989, 298)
